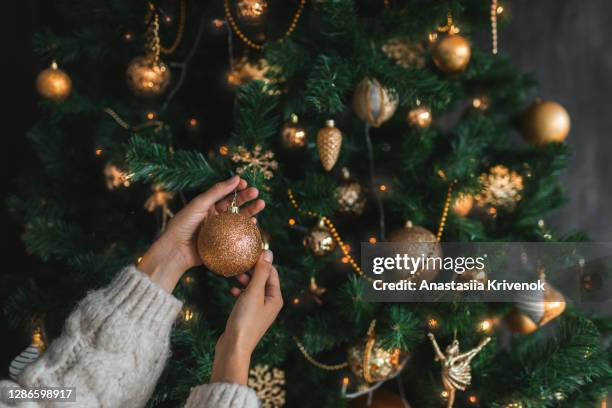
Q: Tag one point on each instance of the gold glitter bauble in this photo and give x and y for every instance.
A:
(251, 11)
(545, 122)
(452, 53)
(379, 363)
(416, 241)
(53, 83)
(320, 240)
(501, 187)
(374, 103)
(350, 195)
(419, 117)
(147, 77)
(293, 136)
(463, 204)
(381, 398)
(406, 53)
(329, 141)
(229, 243)
(534, 310)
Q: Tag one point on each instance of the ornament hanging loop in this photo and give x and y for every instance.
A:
(234, 204)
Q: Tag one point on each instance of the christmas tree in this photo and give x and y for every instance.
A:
(358, 121)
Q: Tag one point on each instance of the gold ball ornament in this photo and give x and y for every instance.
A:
(419, 117)
(350, 195)
(319, 240)
(463, 204)
(381, 398)
(229, 243)
(545, 122)
(452, 53)
(374, 103)
(370, 362)
(293, 136)
(147, 77)
(533, 311)
(417, 241)
(329, 142)
(53, 83)
(251, 11)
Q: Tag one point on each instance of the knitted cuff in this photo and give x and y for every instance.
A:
(135, 296)
(222, 395)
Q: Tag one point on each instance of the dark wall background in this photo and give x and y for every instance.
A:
(565, 44)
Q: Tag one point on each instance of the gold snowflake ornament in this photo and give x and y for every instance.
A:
(405, 52)
(501, 188)
(268, 384)
(256, 160)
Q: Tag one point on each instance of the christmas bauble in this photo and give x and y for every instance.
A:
(545, 122)
(371, 363)
(381, 398)
(417, 241)
(229, 243)
(374, 103)
(293, 136)
(534, 310)
(329, 141)
(53, 83)
(24, 359)
(320, 240)
(463, 204)
(147, 77)
(351, 197)
(419, 117)
(251, 11)
(452, 53)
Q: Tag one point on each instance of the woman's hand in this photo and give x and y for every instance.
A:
(175, 250)
(255, 310)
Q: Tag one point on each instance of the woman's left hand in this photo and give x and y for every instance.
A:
(175, 251)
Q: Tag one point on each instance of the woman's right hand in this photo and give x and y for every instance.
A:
(254, 312)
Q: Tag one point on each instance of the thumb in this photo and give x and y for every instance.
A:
(261, 272)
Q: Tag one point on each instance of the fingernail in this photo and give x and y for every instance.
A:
(268, 256)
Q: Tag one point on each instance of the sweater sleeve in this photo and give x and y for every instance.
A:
(222, 395)
(113, 347)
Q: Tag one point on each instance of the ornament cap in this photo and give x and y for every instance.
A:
(294, 118)
(408, 224)
(346, 174)
(330, 123)
(53, 65)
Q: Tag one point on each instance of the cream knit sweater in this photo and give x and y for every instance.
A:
(113, 350)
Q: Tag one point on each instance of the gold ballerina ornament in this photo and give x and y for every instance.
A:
(455, 366)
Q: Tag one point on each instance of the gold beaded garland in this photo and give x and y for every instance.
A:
(247, 40)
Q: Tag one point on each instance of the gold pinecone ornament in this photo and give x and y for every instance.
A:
(147, 76)
(229, 243)
(374, 103)
(545, 122)
(452, 53)
(53, 83)
(320, 240)
(350, 195)
(329, 142)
